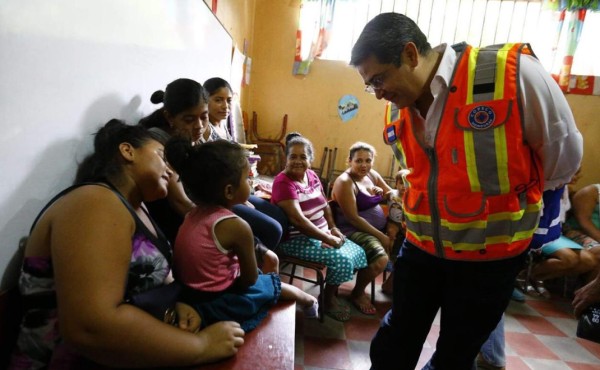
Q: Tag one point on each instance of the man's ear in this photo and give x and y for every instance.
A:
(229, 192)
(410, 55)
(127, 151)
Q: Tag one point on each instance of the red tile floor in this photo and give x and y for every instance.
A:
(540, 334)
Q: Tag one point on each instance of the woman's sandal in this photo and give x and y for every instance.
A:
(541, 288)
(341, 305)
(344, 307)
(339, 314)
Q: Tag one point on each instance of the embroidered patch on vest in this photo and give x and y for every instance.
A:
(389, 134)
(481, 117)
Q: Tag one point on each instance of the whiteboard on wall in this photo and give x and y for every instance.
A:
(67, 67)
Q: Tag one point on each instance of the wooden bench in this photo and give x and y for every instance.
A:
(268, 347)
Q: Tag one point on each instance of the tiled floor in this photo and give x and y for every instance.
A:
(540, 334)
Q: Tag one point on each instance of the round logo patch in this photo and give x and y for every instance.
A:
(481, 117)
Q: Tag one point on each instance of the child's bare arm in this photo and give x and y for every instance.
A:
(236, 235)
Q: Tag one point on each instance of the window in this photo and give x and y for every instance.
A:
(478, 22)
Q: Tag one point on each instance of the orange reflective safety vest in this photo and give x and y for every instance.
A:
(476, 194)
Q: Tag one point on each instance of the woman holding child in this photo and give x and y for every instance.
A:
(357, 194)
(313, 235)
(93, 247)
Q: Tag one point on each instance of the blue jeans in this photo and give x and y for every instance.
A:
(472, 297)
(267, 221)
(493, 349)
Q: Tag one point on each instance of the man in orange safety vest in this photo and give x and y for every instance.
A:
(483, 131)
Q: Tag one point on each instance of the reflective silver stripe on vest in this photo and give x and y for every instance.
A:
(484, 83)
(398, 155)
(485, 159)
(484, 86)
(394, 113)
(476, 233)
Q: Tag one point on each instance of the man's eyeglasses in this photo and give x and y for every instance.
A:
(376, 82)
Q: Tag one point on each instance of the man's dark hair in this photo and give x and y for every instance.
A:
(385, 37)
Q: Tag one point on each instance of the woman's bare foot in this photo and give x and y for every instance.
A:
(311, 310)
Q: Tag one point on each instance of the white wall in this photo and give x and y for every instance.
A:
(67, 67)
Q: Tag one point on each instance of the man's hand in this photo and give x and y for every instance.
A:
(586, 295)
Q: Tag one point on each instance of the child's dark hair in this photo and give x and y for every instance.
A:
(180, 95)
(207, 169)
(212, 85)
(106, 161)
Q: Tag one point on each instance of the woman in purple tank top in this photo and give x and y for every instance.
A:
(358, 193)
(94, 247)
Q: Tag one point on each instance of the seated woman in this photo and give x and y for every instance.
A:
(560, 256)
(313, 235)
(93, 247)
(357, 194)
(220, 95)
(584, 224)
(185, 113)
(267, 221)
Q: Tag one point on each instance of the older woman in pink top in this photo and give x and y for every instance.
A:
(313, 235)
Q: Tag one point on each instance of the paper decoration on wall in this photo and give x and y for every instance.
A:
(584, 85)
(236, 80)
(347, 107)
(247, 65)
(247, 70)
